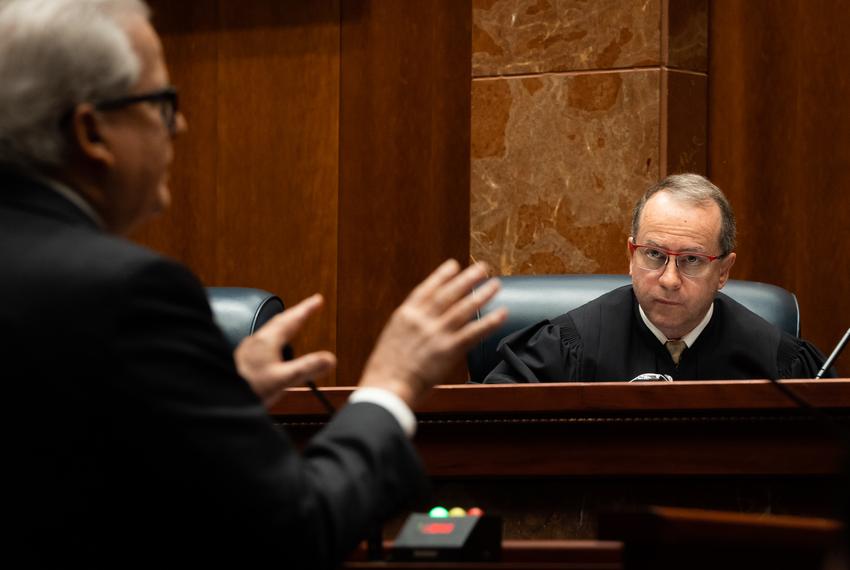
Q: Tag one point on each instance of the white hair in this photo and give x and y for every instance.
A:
(54, 55)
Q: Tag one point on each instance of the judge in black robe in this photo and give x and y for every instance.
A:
(608, 340)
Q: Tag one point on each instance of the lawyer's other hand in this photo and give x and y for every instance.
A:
(259, 357)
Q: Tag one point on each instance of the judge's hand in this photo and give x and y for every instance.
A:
(259, 357)
(428, 335)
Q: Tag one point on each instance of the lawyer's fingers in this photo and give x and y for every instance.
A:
(474, 331)
(457, 288)
(466, 308)
(284, 326)
(436, 279)
(280, 376)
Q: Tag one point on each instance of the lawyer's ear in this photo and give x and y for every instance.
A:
(87, 134)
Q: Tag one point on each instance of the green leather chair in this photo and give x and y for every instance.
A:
(240, 311)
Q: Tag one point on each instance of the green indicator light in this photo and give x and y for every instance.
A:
(438, 513)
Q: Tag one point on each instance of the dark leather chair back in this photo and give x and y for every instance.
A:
(239, 311)
(532, 298)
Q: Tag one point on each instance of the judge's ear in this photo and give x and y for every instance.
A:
(727, 262)
(87, 135)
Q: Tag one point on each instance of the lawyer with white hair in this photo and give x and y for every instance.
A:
(136, 438)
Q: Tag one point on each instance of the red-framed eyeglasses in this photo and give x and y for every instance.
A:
(653, 258)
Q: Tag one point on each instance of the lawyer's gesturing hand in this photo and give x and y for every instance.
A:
(431, 331)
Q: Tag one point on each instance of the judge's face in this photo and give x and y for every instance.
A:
(674, 302)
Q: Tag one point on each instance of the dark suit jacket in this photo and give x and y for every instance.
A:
(133, 440)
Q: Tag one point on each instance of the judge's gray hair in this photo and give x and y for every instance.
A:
(54, 55)
(698, 190)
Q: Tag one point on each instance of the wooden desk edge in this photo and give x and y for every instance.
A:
(596, 397)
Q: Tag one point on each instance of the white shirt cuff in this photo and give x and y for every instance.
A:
(390, 402)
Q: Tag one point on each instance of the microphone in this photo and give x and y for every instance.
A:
(651, 377)
(818, 413)
(322, 398)
(289, 354)
(834, 356)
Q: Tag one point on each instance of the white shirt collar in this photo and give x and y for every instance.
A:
(65, 191)
(689, 338)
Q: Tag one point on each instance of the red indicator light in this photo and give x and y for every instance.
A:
(437, 528)
(475, 512)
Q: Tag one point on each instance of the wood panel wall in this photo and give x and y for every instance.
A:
(404, 158)
(779, 132)
(255, 179)
(328, 151)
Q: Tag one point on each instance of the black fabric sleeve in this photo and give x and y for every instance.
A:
(797, 358)
(230, 484)
(543, 352)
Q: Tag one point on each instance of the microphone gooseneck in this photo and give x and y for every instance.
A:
(289, 354)
(834, 356)
(322, 398)
(822, 415)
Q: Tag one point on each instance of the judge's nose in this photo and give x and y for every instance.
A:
(670, 277)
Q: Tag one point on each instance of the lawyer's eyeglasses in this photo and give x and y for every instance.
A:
(165, 99)
(653, 258)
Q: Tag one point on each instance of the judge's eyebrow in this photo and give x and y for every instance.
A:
(695, 249)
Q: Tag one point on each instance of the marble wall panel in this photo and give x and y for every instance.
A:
(557, 162)
(512, 37)
(687, 24)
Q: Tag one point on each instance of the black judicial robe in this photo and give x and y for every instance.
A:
(606, 340)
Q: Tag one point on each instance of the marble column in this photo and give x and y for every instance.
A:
(577, 107)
